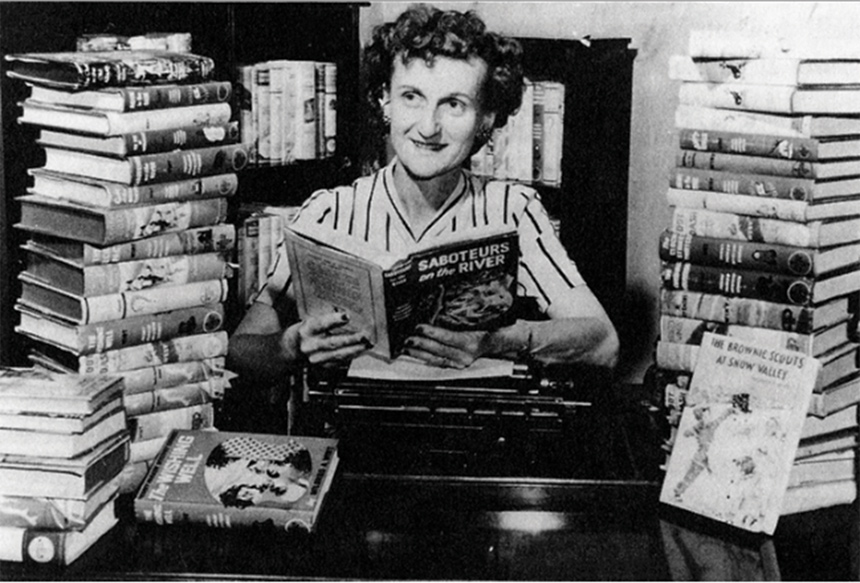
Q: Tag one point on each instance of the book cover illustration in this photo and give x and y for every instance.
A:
(739, 432)
(462, 285)
(230, 479)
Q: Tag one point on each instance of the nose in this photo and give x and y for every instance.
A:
(428, 125)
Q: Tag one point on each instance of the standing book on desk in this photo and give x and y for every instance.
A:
(461, 285)
(739, 432)
(228, 479)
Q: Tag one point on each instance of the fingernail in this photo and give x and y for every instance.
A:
(344, 317)
(367, 342)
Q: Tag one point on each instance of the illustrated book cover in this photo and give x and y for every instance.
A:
(459, 285)
(739, 432)
(231, 479)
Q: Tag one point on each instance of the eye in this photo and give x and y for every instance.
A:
(456, 106)
(410, 98)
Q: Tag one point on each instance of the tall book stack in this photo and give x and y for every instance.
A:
(127, 256)
(764, 243)
(63, 446)
(288, 110)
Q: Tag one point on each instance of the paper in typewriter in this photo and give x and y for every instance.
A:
(739, 432)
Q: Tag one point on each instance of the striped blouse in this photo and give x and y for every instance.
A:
(370, 210)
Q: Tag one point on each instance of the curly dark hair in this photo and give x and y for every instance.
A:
(425, 32)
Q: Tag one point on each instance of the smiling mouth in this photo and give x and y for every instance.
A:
(428, 146)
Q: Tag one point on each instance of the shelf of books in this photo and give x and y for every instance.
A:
(764, 240)
(128, 255)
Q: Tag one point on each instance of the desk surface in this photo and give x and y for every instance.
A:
(387, 516)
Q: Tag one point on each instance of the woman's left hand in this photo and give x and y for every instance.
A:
(446, 348)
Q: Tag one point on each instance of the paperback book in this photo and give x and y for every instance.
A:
(228, 479)
(460, 285)
(739, 433)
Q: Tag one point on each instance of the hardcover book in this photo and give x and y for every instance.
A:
(753, 312)
(165, 399)
(739, 433)
(81, 339)
(55, 477)
(461, 285)
(836, 396)
(765, 71)
(160, 423)
(839, 421)
(148, 142)
(62, 547)
(178, 42)
(224, 479)
(818, 169)
(101, 193)
(14, 418)
(30, 390)
(752, 122)
(771, 98)
(112, 278)
(55, 513)
(723, 225)
(43, 215)
(770, 146)
(723, 44)
(91, 70)
(113, 123)
(785, 259)
(64, 445)
(219, 237)
(149, 168)
(78, 309)
(797, 211)
(765, 185)
(809, 497)
(135, 98)
(760, 285)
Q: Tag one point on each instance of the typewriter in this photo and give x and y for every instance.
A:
(562, 422)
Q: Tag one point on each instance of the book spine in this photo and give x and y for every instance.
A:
(154, 300)
(330, 110)
(277, 82)
(180, 164)
(164, 96)
(128, 224)
(166, 399)
(753, 71)
(261, 110)
(746, 122)
(219, 237)
(179, 349)
(743, 228)
(741, 204)
(676, 357)
(782, 259)
(305, 114)
(773, 99)
(160, 423)
(164, 376)
(749, 184)
(268, 232)
(319, 88)
(741, 163)
(290, 121)
(553, 133)
(737, 282)
(184, 138)
(537, 133)
(244, 105)
(159, 272)
(249, 267)
(768, 146)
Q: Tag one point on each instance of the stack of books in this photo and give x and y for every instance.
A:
(764, 243)
(288, 110)
(529, 147)
(63, 446)
(128, 256)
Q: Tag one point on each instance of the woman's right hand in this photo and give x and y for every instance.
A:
(323, 340)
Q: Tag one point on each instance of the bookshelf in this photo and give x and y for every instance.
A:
(592, 200)
(231, 34)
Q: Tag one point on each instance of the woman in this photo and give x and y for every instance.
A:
(442, 84)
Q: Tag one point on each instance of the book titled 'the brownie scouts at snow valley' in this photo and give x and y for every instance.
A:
(232, 479)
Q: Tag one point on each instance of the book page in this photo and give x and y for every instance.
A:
(407, 368)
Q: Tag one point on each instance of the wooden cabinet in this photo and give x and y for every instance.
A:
(592, 200)
(230, 33)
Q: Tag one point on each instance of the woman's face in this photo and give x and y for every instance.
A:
(435, 113)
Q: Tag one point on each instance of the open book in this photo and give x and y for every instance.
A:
(459, 284)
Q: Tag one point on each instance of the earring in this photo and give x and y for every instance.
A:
(484, 134)
(386, 120)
